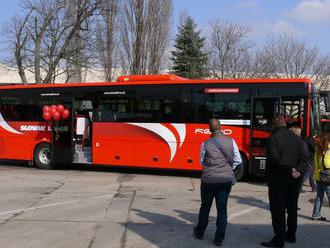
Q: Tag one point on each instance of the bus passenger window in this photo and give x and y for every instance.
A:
(113, 110)
(20, 109)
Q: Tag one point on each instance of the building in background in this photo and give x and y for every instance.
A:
(10, 75)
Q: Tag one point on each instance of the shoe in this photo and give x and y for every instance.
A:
(271, 244)
(320, 218)
(217, 242)
(290, 239)
(196, 234)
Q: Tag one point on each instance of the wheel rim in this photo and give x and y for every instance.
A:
(45, 156)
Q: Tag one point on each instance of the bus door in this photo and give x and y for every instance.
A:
(82, 130)
(263, 111)
(62, 136)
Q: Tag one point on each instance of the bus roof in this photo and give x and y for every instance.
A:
(157, 80)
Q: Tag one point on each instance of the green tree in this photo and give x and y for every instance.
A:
(189, 58)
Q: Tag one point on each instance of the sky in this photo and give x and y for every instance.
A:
(309, 20)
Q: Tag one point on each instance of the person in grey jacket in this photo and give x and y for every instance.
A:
(219, 157)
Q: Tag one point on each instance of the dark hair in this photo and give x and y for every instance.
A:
(279, 121)
(214, 125)
(323, 143)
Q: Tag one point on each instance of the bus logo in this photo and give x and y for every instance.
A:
(207, 131)
(33, 128)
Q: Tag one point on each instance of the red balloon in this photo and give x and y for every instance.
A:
(60, 108)
(47, 116)
(53, 110)
(46, 108)
(65, 114)
(56, 116)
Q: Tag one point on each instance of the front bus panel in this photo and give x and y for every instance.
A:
(289, 101)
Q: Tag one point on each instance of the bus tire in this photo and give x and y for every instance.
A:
(242, 170)
(42, 157)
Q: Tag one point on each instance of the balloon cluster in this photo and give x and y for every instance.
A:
(55, 112)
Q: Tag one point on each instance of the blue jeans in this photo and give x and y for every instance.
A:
(309, 174)
(219, 191)
(321, 189)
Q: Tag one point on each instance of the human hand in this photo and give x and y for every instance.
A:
(295, 174)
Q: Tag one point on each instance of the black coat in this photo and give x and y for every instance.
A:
(285, 151)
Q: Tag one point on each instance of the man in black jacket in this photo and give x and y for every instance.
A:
(286, 162)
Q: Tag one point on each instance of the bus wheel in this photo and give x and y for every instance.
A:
(43, 156)
(241, 172)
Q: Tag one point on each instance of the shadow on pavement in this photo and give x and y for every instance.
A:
(165, 231)
(251, 201)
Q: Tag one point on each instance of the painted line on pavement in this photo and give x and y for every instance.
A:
(52, 205)
(242, 212)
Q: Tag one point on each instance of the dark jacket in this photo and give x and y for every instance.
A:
(285, 151)
(310, 147)
(216, 167)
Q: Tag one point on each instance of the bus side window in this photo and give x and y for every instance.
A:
(9, 112)
(21, 109)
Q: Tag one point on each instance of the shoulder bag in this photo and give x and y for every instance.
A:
(324, 174)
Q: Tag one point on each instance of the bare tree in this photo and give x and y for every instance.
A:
(160, 12)
(286, 56)
(77, 61)
(18, 37)
(322, 72)
(230, 50)
(134, 35)
(50, 30)
(43, 14)
(144, 34)
(107, 36)
(289, 57)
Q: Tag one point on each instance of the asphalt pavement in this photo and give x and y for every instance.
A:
(119, 208)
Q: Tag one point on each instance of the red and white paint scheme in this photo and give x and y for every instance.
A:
(160, 145)
(244, 107)
(18, 140)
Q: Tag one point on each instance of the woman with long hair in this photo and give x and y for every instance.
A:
(321, 162)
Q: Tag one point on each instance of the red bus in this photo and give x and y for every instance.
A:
(150, 121)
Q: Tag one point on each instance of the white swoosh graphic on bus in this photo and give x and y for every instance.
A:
(6, 126)
(181, 129)
(163, 132)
